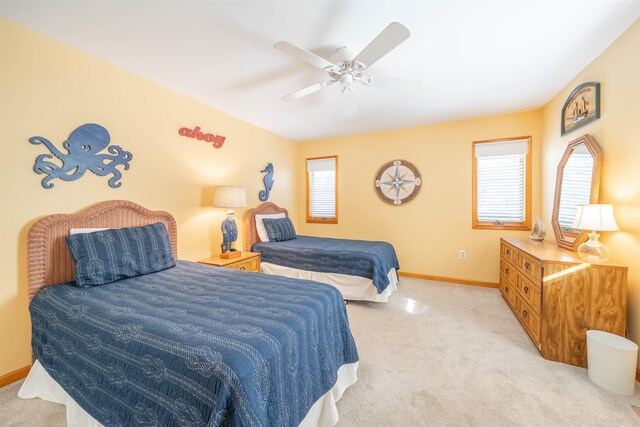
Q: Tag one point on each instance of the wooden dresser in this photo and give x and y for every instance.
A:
(557, 297)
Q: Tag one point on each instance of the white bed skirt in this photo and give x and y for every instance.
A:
(354, 288)
(40, 384)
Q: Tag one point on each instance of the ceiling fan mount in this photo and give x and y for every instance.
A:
(346, 69)
(342, 54)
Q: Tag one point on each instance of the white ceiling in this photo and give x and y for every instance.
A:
(474, 58)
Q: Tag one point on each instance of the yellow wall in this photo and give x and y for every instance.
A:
(428, 232)
(49, 89)
(618, 134)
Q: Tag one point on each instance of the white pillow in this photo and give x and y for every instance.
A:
(262, 232)
(85, 230)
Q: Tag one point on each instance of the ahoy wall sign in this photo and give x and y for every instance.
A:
(195, 133)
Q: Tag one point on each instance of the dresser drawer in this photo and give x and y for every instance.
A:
(529, 319)
(529, 291)
(251, 264)
(509, 252)
(508, 270)
(508, 291)
(530, 266)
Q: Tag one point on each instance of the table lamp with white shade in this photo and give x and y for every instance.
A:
(229, 197)
(595, 218)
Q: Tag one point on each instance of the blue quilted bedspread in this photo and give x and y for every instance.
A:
(194, 345)
(363, 258)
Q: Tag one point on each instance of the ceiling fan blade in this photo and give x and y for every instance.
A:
(393, 83)
(303, 55)
(305, 91)
(349, 102)
(386, 41)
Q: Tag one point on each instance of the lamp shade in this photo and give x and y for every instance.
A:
(595, 217)
(230, 197)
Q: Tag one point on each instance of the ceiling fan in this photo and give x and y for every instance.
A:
(347, 70)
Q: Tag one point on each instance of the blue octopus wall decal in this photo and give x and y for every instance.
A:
(268, 183)
(83, 146)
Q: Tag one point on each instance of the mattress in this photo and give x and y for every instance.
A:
(352, 288)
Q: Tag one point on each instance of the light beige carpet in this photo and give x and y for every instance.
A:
(443, 355)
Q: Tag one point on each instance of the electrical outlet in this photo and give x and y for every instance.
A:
(462, 254)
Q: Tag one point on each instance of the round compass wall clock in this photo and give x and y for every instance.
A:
(398, 182)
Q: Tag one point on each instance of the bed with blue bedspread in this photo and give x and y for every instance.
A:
(359, 269)
(194, 345)
(125, 335)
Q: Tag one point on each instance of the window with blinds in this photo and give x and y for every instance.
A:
(322, 186)
(501, 191)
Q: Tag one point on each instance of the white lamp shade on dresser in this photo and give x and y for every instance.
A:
(595, 217)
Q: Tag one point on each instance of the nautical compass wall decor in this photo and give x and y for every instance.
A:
(398, 182)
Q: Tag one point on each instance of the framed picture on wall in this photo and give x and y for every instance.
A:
(582, 107)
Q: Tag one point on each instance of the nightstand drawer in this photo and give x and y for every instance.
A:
(251, 264)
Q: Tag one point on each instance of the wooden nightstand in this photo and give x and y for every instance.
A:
(248, 261)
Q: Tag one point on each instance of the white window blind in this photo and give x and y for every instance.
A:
(500, 182)
(322, 187)
(576, 186)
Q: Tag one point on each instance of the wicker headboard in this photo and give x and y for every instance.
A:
(250, 232)
(48, 259)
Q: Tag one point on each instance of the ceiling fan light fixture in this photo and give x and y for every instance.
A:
(346, 81)
(346, 69)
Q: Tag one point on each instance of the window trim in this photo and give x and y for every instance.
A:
(316, 220)
(526, 224)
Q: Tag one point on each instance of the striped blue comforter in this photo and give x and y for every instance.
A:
(194, 345)
(363, 258)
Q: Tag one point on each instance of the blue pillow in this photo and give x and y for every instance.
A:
(279, 229)
(110, 255)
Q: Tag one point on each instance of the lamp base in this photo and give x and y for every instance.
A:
(231, 254)
(592, 251)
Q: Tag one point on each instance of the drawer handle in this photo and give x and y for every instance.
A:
(526, 289)
(527, 265)
(508, 251)
(242, 268)
(506, 289)
(525, 314)
(506, 270)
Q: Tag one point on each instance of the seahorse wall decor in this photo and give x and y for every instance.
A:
(268, 183)
(83, 146)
